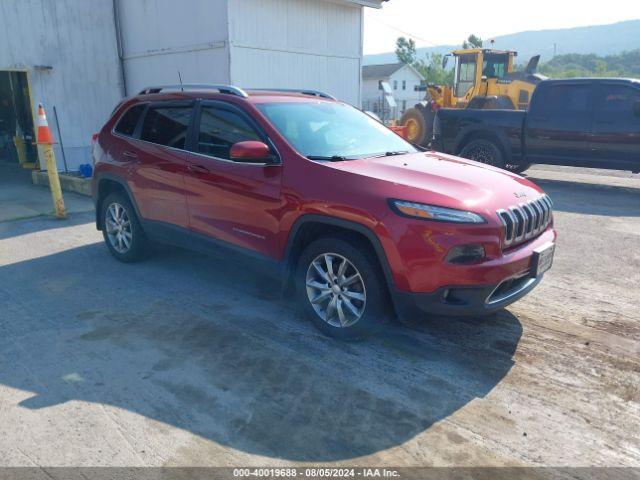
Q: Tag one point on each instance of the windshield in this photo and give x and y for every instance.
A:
(325, 130)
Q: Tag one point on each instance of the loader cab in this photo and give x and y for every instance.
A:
(474, 67)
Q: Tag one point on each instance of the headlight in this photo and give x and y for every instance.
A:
(433, 212)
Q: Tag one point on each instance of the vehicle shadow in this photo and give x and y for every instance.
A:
(209, 347)
(589, 199)
(13, 228)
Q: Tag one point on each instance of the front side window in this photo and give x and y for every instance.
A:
(128, 122)
(219, 129)
(495, 65)
(327, 129)
(167, 125)
(616, 99)
(465, 74)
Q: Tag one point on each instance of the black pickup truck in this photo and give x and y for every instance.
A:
(579, 122)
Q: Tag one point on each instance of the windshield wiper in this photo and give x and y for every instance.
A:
(389, 154)
(333, 158)
(392, 154)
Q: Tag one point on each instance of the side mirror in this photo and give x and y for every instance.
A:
(445, 60)
(250, 151)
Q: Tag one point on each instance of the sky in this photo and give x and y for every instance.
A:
(429, 22)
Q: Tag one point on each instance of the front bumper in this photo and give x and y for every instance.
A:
(465, 300)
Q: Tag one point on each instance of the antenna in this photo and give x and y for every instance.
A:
(180, 78)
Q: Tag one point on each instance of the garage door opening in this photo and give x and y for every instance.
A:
(16, 123)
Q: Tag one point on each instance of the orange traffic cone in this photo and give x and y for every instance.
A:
(44, 133)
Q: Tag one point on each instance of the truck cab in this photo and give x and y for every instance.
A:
(586, 122)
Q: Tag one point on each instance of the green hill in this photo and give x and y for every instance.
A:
(626, 64)
(603, 40)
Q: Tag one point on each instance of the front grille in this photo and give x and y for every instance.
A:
(525, 221)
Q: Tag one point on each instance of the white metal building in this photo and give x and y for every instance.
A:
(64, 54)
(403, 79)
(83, 56)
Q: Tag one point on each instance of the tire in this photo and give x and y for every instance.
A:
(483, 151)
(419, 125)
(366, 294)
(118, 217)
(518, 167)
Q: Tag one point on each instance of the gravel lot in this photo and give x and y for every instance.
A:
(185, 361)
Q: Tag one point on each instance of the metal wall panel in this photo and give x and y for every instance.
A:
(297, 44)
(162, 37)
(77, 39)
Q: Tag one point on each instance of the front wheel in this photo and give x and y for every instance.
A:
(483, 151)
(518, 167)
(341, 288)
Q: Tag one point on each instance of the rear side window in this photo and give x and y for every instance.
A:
(568, 98)
(167, 125)
(221, 128)
(127, 123)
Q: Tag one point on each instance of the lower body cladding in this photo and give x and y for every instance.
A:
(478, 300)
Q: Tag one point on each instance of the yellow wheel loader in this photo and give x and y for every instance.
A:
(483, 79)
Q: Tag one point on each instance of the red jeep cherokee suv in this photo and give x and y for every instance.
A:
(350, 214)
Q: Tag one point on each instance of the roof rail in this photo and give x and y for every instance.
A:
(315, 93)
(230, 89)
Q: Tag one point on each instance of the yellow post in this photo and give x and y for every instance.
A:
(54, 181)
(45, 140)
(18, 141)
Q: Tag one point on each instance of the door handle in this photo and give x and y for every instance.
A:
(130, 154)
(194, 168)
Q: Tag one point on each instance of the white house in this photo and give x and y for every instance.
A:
(82, 57)
(403, 79)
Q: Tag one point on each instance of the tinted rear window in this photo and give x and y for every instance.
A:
(167, 125)
(127, 124)
(559, 97)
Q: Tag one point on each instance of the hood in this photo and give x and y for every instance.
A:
(431, 177)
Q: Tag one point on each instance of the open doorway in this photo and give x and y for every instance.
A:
(16, 122)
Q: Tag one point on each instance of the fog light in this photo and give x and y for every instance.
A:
(470, 253)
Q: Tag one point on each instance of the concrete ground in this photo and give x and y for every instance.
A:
(20, 199)
(185, 361)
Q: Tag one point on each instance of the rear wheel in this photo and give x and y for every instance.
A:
(342, 290)
(121, 229)
(483, 151)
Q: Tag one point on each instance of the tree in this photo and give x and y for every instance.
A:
(472, 42)
(625, 64)
(431, 69)
(406, 50)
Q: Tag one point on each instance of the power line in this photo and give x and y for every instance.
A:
(411, 35)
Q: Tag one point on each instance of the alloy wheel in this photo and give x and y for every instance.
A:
(482, 154)
(118, 226)
(336, 290)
